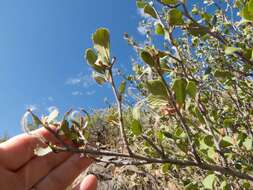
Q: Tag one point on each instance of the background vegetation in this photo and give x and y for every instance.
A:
(183, 117)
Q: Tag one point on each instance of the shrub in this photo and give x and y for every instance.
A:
(192, 90)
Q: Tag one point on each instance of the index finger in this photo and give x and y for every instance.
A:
(16, 151)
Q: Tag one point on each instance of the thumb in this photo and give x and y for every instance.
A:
(89, 183)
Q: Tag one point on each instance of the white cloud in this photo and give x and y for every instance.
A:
(81, 79)
(89, 93)
(77, 93)
(50, 98)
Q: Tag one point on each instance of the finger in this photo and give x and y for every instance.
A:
(89, 183)
(9, 180)
(22, 146)
(39, 167)
(62, 176)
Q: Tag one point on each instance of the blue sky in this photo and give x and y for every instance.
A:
(41, 53)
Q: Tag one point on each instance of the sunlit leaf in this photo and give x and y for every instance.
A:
(98, 78)
(157, 88)
(150, 11)
(101, 40)
(136, 127)
(159, 29)
(191, 89)
(140, 4)
(137, 111)
(179, 88)
(248, 143)
(226, 141)
(230, 50)
(169, 2)
(175, 17)
(208, 182)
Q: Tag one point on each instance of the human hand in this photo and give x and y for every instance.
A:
(20, 169)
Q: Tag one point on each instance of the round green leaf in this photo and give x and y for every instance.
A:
(179, 87)
(150, 11)
(208, 182)
(191, 89)
(98, 78)
(136, 127)
(159, 29)
(230, 50)
(91, 56)
(169, 2)
(175, 17)
(147, 58)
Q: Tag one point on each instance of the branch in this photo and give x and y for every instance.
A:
(146, 160)
(118, 99)
(181, 118)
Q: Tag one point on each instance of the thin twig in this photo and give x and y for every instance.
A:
(118, 99)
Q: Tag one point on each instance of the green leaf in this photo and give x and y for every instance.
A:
(222, 74)
(226, 141)
(122, 87)
(91, 56)
(250, 6)
(136, 127)
(196, 30)
(179, 87)
(157, 88)
(155, 102)
(228, 122)
(248, 143)
(140, 4)
(191, 89)
(101, 40)
(209, 140)
(175, 17)
(137, 111)
(211, 153)
(65, 128)
(208, 182)
(92, 60)
(169, 2)
(98, 78)
(247, 11)
(147, 58)
(42, 151)
(150, 11)
(230, 50)
(165, 168)
(191, 186)
(224, 186)
(159, 29)
(246, 185)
